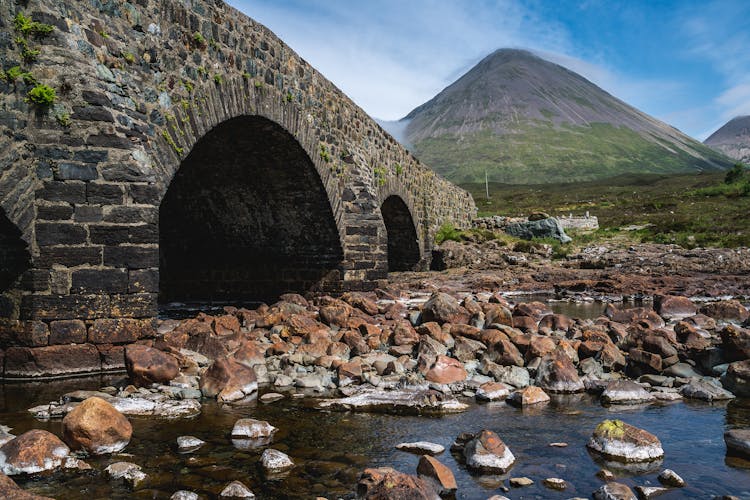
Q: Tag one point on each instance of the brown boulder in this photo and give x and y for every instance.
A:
(673, 306)
(446, 370)
(536, 310)
(500, 349)
(539, 347)
(557, 373)
(726, 310)
(497, 314)
(736, 343)
(443, 308)
(441, 476)
(530, 395)
(335, 314)
(525, 323)
(356, 342)
(466, 349)
(556, 323)
(9, 490)
(361, 302)
(385, 483)
(737, 378)
(228, 380)
(404, 334)
(468, 331)
(33, 451)
(226, 324)
(146, 365)
(96, 427)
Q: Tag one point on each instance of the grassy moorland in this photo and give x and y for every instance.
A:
(690, 210)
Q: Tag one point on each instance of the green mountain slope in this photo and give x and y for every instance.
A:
(522, 119)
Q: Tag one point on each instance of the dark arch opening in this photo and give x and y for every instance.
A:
(246, 218)
(403, 246)
(14, 261)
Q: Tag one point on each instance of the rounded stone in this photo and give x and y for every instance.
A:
(625, 443)
(96, 427)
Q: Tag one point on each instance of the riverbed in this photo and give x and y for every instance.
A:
(331, 449)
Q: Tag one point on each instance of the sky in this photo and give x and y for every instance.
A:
(686, 62)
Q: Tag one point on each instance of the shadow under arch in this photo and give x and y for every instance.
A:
(15, 259)
(403, 243)
(246, 218)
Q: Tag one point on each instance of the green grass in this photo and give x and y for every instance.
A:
(536, 153)
(688, 209)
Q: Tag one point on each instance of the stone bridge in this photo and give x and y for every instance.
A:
(188, 154)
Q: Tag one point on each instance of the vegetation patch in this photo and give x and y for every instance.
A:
(42, 95)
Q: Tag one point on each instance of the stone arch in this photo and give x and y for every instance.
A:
(404, 249)
(246, 217)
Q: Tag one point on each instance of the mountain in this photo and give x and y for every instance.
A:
(733, 139)
(524, 120)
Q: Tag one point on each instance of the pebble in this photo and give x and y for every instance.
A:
(187, 444)
(236, 489)
(555, 483)
(271, 397)
(519, 482)
(671, 478)
(648, 492)
(559, 445)
(184, 495)
(275, 461)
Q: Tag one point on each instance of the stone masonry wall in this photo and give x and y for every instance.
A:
(137, 84)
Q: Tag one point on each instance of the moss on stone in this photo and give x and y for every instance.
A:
(612, 429)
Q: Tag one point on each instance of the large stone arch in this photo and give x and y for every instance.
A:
(404, 245)
(246, 217)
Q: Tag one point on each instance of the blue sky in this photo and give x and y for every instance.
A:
(685, 62)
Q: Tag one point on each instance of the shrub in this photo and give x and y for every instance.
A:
(42, 95)
(734, 174)
(199, 40)
(218, 79)
(447, 232)
(26, 26)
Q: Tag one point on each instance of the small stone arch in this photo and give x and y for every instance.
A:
(246, 216)
(404, 247)
(15, 260)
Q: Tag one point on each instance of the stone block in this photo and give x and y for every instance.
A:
(143, 280)
(146, 194)
(53, 233)
(51, 361)
(36, 280)
(144, 234)
(105, 194)
(69, 256)
(131, 215)
(88, 213)
(24, 333)
(54, 212)
(112, 356)
(91, 155)
(69, 192)
(131, 257)
(70, 331)
(116, 331)
(99, 280)
(109, 235)
(138, 305)
(76, 171)
(52, 307)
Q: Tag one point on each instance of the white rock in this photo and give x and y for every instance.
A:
(671, 478)
(130, 472)
(251, 428)
(421, 447)
(189, 443)
(275, 461)
(625, 392)
(236, 489)
(184, 495)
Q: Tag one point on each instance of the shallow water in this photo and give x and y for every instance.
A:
(331, 449)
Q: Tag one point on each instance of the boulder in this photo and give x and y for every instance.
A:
(614, 491)
(385, 483)
(616, 440)
(403, 401)
(228, 380)
(96, 427)
(530, 395)
(442, 478)
(486, 452)
(545, 228)
(738, 442)
(705, 391)
(557, 374)
(669, 477)
(443, 308)
(31, 452)
(9, 490)
(421, 448)
(446, 370)
(727, 310)
(184, 495)
(737, 378)
(673, 306)
(625, 392)
(146, 365)
(736, 342)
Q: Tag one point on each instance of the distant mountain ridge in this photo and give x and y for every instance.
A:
(522, 119)
(733, 139)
